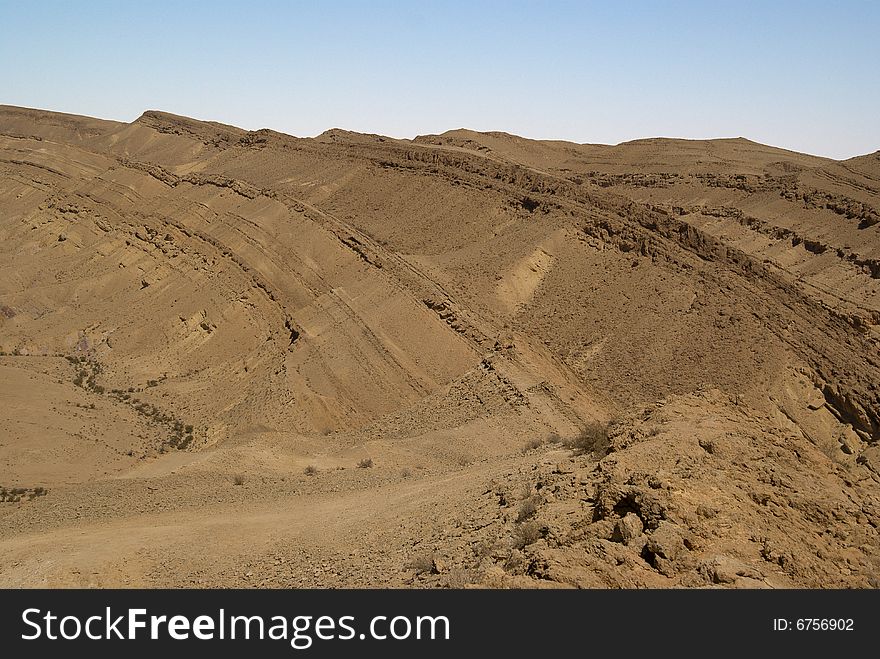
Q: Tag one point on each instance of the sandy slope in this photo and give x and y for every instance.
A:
(194, 316)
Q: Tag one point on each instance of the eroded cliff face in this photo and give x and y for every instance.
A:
(209, 328)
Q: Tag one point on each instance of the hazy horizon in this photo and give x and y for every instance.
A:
(798, 76)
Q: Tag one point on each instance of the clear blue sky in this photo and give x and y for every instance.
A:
(802, 75)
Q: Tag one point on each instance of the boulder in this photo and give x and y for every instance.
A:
(628, 528)
(666, 541)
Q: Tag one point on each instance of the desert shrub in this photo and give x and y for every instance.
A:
(554, 438)
(525, 534)
(532, 444)
(515, 561)
(527, 509)
(458, 578)
(406, 472)
(421, 563)
(463, 459)
(592, 439)
(311, 470)
(366, 463)
(238, 479)
(484, 548)
(530, 204)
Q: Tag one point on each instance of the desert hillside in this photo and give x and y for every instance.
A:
(235, 358)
